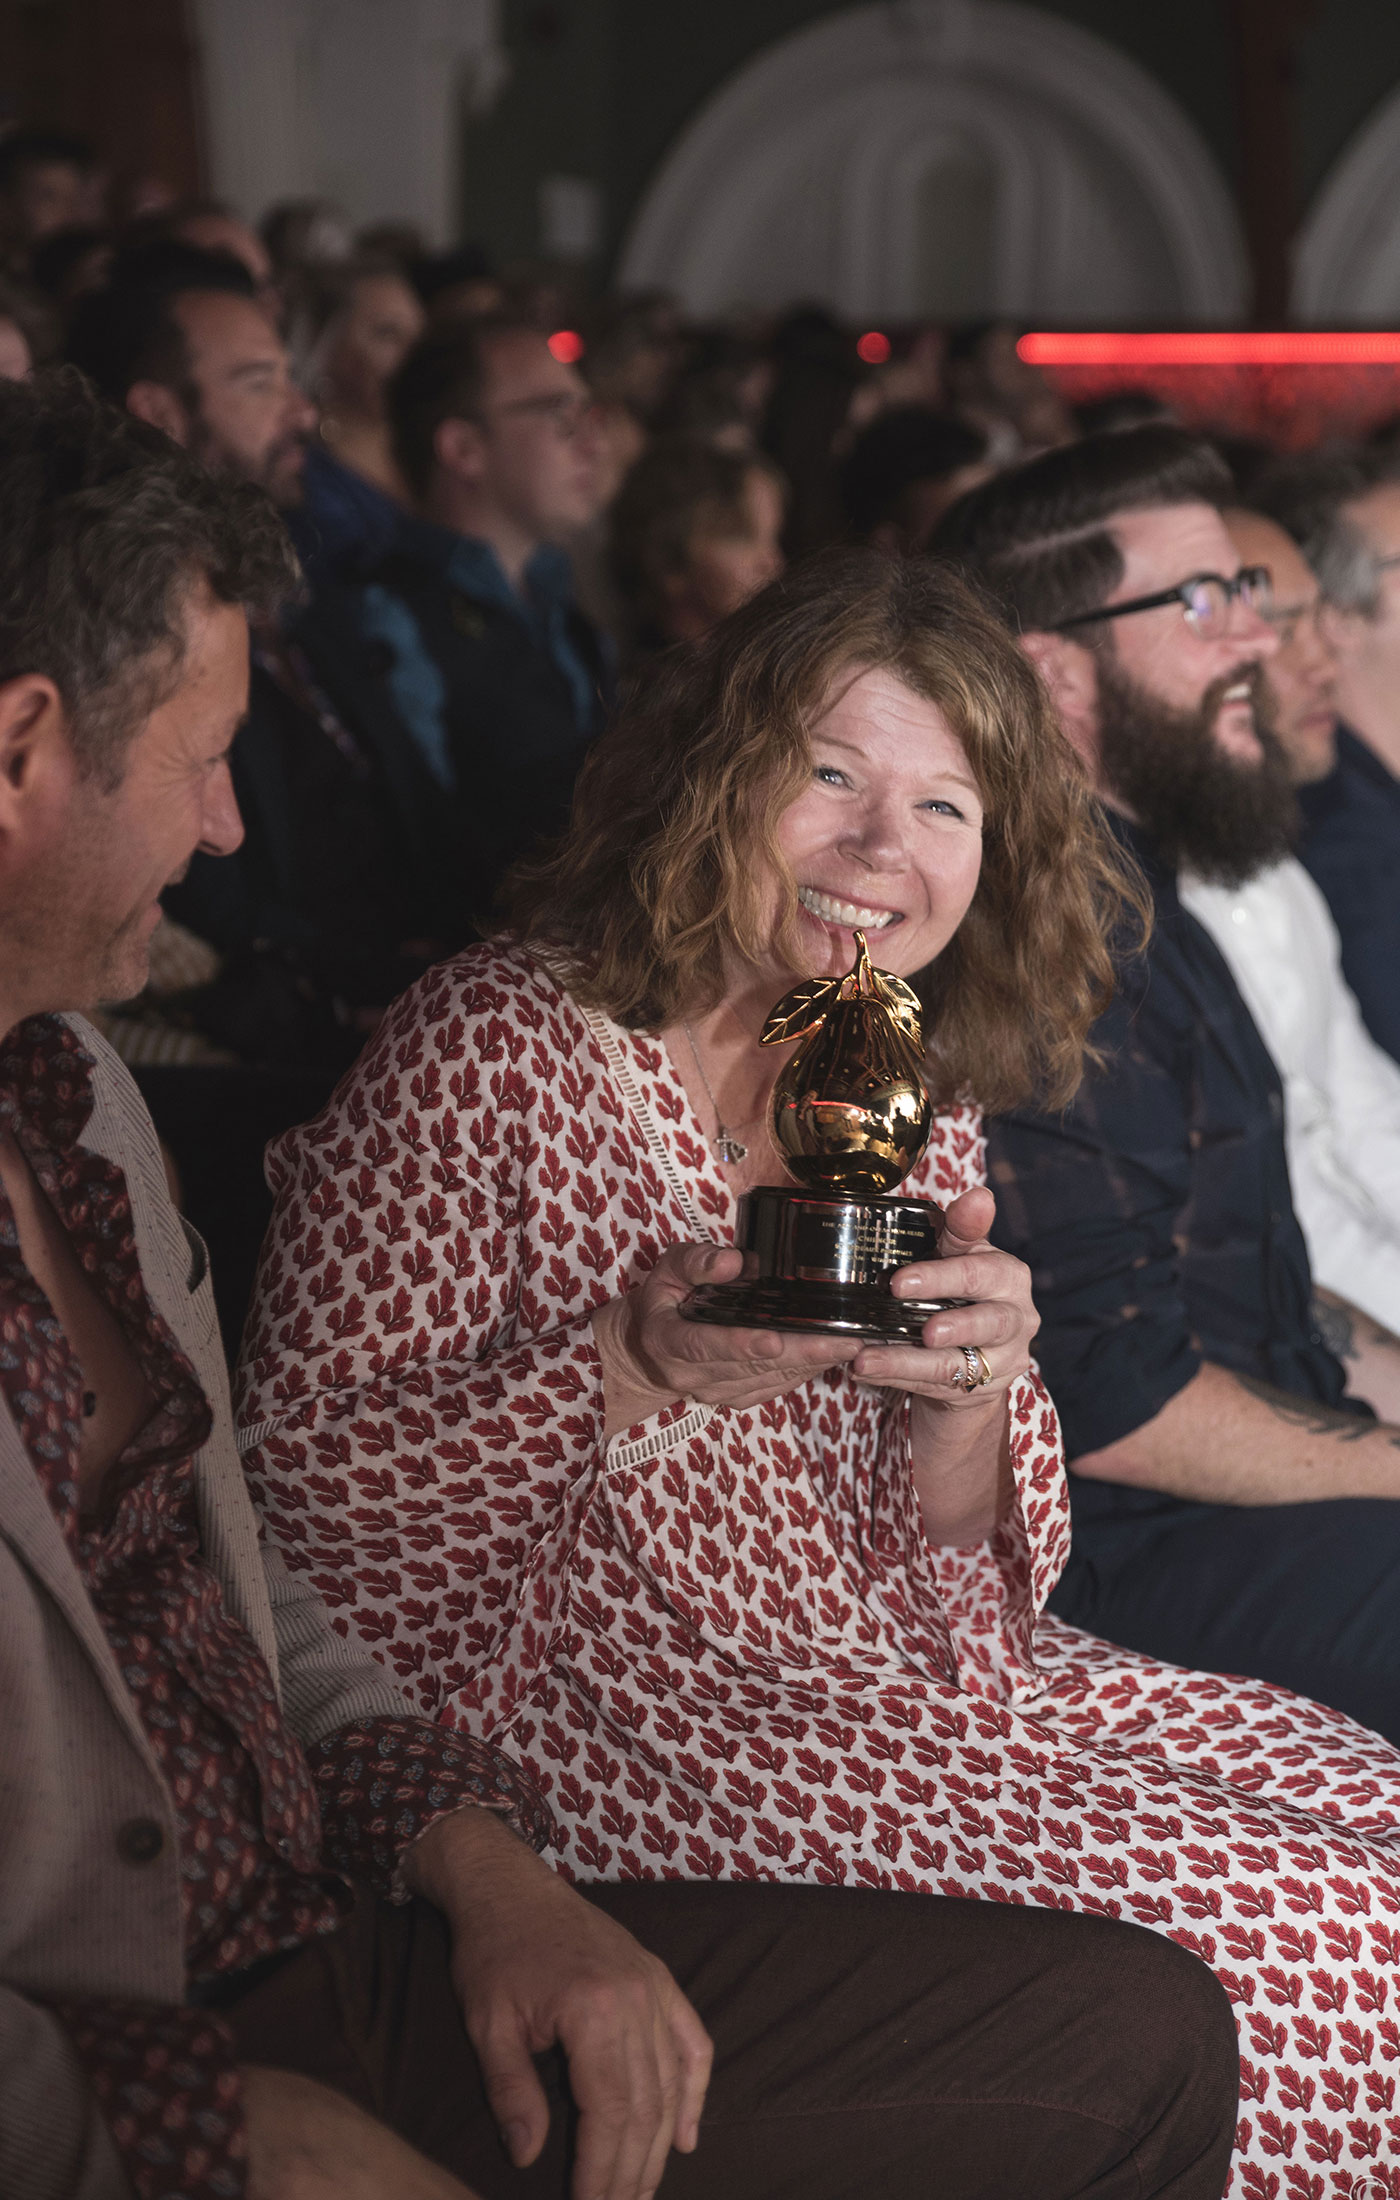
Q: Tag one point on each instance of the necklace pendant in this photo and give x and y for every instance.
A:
(729, 1149)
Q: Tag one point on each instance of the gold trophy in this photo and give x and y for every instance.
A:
(851, 1116)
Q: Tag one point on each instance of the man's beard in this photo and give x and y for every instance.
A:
(279, 472)
(1217, 815)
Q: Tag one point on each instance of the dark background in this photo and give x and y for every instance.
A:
(600, 88)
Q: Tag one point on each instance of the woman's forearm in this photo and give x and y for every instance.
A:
(627, 1396)
(960, 1457)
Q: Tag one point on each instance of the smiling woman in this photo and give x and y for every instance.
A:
(700, 837)
(748, 1605)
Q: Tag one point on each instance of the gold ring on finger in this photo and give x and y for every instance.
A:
(976, 1368)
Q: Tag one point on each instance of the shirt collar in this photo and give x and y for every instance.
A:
(46, 1082)
(547, 580)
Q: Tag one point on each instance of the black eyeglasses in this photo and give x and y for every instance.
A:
(1206, 600)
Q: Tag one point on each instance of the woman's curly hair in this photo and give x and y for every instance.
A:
(665, 874)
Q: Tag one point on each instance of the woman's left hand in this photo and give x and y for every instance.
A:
(1000, 1323)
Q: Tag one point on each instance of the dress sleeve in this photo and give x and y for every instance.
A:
(993, 1593)
(421, 1400)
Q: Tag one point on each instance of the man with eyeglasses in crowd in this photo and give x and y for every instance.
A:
(496, 671)
(1232, 1507)
(1343, 509)
(1341, 1091)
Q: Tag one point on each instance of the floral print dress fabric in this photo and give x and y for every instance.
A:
(720, 1644)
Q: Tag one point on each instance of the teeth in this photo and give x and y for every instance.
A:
(844, 912)
(1236, 694)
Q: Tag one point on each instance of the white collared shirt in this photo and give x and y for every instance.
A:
(1341, 1091)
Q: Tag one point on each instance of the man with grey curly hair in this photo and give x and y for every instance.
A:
(1343, 509)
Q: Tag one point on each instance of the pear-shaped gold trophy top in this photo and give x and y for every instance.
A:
(851, 1116)
(851, 1110)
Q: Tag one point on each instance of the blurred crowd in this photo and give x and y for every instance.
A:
(506, 496)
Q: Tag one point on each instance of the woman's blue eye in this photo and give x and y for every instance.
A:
(937, 803)
(829, 774)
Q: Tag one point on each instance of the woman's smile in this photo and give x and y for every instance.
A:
(847, 915)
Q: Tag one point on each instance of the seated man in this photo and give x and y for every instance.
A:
(1344, 512)
(495, 670)
(1230, 1511)
(346, 860)
(1341, 1091)
(206, 1787)
(349, 878)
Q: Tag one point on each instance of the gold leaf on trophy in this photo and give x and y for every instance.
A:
(903, 1004)
(800, 1011)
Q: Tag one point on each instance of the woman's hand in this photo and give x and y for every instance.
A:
(959, 1451)
(1000, 1323)
(651, 1354)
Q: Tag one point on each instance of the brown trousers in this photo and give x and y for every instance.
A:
(901, 2046)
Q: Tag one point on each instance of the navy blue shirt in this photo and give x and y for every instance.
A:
(1155, 1214)
(501, 689)
(1351, 845)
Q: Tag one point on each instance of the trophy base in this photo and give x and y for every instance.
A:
(821, 1262)
(810, 1308)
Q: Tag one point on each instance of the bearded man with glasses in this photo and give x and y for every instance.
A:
(1233, 1507)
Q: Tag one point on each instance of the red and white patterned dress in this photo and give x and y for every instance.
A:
(720, 1643)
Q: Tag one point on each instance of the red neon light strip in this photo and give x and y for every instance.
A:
(1213, 348)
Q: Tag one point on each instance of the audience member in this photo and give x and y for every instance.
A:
(347, 880)
(635, 351)
(178, 337)
(618, 441)
(1341, 1092)
(48, 181)
(460, 284)
(360, 321)
(695, 533)
(721, 390)
(497, 673)
(771, 1605)
(817, 374)
(902, 473)
(398, 241)
(1345, 513)
(306, 234)
(212, 1793)
(215, 227)
(994, 387)
(370, 320)
(1230, 1511)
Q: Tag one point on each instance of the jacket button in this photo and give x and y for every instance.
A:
(140, 1840)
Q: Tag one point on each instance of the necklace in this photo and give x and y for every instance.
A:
(727, 1148)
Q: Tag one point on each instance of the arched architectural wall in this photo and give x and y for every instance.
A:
(802, 177)
(1347, 262)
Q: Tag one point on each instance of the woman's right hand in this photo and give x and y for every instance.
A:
(651, 1355)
